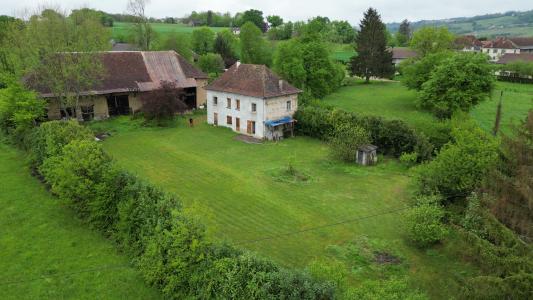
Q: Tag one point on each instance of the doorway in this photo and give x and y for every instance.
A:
(237, 124)
(118, 105)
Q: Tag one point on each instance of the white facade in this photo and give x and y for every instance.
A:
(496, 53)
(247, 115)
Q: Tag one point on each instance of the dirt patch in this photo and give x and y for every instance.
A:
(248, 139)
(384, 258)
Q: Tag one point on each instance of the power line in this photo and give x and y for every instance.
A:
(41, 277)
(276, 236)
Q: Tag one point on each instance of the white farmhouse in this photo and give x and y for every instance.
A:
(252, 100)
(499, 47)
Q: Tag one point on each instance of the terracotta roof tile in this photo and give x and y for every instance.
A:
(403, 52)
(252, 80)
(139, 71)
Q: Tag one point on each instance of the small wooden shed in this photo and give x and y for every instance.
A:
(367, 155)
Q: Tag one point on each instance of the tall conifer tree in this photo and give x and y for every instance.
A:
(372, 58)
(404, 33)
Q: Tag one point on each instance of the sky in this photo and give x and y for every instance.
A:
(293, 10)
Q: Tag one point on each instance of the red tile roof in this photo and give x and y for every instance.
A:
(500, 43)
(514, 57)
(252, 80)
(127, 71)
(522, 41)
(467, 41)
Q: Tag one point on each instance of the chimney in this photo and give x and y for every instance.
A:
(280, 84)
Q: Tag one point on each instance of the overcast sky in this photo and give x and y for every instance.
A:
(350, 10)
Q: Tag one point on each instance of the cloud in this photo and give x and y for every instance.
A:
(350, 10)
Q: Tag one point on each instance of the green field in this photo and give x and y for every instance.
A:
(47, 253)
(392, 100)
(122, 29)
(242, 193)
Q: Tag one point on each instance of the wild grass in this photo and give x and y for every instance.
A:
(47, 253)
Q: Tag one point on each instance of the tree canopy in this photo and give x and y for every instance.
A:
(254, 49)
(203, 40)
(431, 39)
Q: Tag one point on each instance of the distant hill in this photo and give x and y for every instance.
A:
(512, 23)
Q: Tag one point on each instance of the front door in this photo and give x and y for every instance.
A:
(238, 124)
(250, 128)
(215, 118)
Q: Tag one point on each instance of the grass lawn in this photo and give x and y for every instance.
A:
(394, 101)
(341, 52)
(121, 29)
(242, 192)
(47, 253)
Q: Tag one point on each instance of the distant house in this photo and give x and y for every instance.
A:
(525, 44)
(498, 47)
(236, 30)
(252, 100)
(468, 43)
(127, 75)
(400, 54)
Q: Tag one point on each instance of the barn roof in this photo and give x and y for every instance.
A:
(467, 41)
(402, 53)
(142, 71)
(252, 80)
(514, 57)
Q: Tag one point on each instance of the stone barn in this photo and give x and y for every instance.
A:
(127, 75)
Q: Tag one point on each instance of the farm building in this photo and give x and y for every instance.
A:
(127, 75)
(468, 43)
(400, 54)
(252, 100)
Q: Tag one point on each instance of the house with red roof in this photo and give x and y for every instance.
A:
(252, 100)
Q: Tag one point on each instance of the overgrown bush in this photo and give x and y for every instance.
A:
(164, 103)
(346, 140)
(391, 137)
(424, 222)
(461, 164)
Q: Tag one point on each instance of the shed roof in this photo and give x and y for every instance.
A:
(514, 57)
(127, 71)
(402, 53)
(252, 80)
(467, 41)
(368, 148)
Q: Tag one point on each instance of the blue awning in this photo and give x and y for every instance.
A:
(274, 123)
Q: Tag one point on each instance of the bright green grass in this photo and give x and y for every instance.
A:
(41, 241)
(236, 188)
(122, 29)
(392, 100)
(341, 52)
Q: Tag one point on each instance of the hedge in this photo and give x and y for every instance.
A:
(392, 137)
(169, 246)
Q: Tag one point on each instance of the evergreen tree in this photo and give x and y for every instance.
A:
(404, 33)
(373, 58)
(225, 45)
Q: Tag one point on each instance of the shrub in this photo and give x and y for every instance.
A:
(20, 109)
(392, 137)
(84, 176)
(346, 140)
(461, 164)
(424, 223)
(49, 139)
(211, 63)
(409, 159)
(162, 104)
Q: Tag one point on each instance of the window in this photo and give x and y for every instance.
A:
(238, 104)
(250, 128)
(254, 107)
(289, 105)
(229, 103)
(229, 120)
(215, 100)
(494, 50)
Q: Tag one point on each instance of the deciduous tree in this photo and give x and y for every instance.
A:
(254, 49)
(162, 104)
(203, 40)
(430, 40)
(226, 46)
(403, 36)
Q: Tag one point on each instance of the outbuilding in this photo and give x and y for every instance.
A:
(367, 155)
